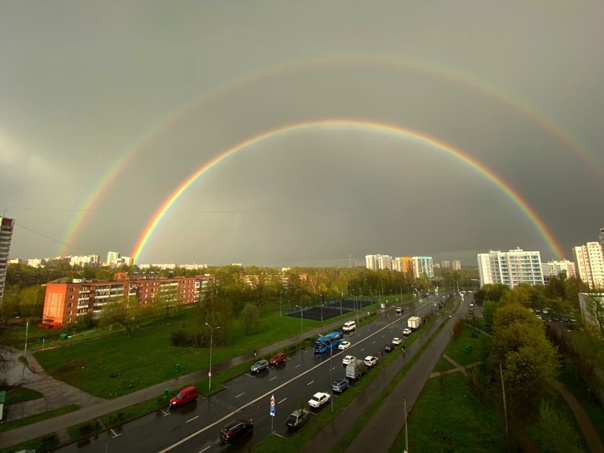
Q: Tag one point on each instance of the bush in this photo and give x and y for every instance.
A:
(183, 338)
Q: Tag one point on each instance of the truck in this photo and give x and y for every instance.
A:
(414, 322)
(355, 370)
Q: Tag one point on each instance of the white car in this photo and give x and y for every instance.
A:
(370, 361)
(407, 331)
(344, 345)
(348, 360)
(397, 341)
(318, 399)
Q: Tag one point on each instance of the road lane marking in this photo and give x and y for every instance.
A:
(298, 365)
(310, 382)
(115, 434)
(281, 400)
(274, 377)
(240, 395)
(207, 448)
(191, 419)
(165, 413)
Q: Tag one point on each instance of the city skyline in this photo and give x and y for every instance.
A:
(192, 134)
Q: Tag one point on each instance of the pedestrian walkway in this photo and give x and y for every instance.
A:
(594, 443)
(57, 394)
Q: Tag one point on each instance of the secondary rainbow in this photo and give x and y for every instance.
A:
(97, 191)
(346, 124)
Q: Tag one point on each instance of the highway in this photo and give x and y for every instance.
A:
(195, 427)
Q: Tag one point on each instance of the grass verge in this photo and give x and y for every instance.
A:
(7, 426)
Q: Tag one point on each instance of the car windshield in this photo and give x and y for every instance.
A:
(291, 419)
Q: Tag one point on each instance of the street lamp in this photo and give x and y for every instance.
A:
(331, 370)
(321, 303)
(280, 312)
(211, 344)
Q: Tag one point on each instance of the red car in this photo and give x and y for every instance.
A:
(184, 396)
(278, 358)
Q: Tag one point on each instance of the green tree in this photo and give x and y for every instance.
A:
(123, 312)
(554, 433)
(250, 315)
(32, 301)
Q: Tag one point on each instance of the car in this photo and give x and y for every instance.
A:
(349, 326)
(407, 331)
(236, 430)
(344, 345)
(370, 361)
(396, 341)
(298, 418)
(318, 400)
(348, 360)
(389, 347)
(186, 395)
(260, 365)
(340, 386)
(278, 358)
(399, 310)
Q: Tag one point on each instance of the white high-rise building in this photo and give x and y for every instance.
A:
(423, 266)
(375, 262)
(456, 265)
(446, 264)
(554, 268)
(6, 236)
(590, 264)
(112, 258)
(510, 268)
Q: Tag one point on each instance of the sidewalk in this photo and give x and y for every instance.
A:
(382, 429)
(93, 407)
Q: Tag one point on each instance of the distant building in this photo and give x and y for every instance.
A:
(456, 265)
(446, 264)
(555, 268)
(6, 236)
(423, 266)
(589, 260)
(510, 268)
(85, 261)
(592, 308)
(375, 262)
(403, 264)
(66, 303)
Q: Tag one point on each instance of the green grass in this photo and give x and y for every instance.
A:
(457, 349)
(7, 426)
(443, 365)
(21, 395)
(450, 418)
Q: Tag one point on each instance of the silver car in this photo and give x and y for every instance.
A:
(259, 366)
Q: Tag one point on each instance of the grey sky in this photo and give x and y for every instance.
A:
(515, 85)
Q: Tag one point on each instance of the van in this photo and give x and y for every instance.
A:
(349, 326)
(184, 396)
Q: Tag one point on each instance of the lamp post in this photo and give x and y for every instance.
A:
(321, 304)
(331, 371)
(211, 344)
(280, 312)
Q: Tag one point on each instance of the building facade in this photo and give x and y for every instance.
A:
(456, 265)
(423, 266)
(555, 268)
(510, 268)
(66, 303)
(375, 262)
(6, 236)
(590, 264)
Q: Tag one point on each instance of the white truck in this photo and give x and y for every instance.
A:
(355, 370)
(414, 322)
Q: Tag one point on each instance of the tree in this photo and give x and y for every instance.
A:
(125, 312)
(32, 301)
(250, 316)
(554, 433)
(167, 301)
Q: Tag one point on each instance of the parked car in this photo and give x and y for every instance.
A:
(318, 400)
(298, 418)
(184, 396)
(396, 341)
(347, 360)
(407, 331)
(260, 365)
(389, 347)
(371, 361)
(278, 358)
(235, 430)
(399, 310)
(344, 345)
(340, 386)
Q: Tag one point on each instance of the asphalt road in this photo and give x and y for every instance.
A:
(195, 427)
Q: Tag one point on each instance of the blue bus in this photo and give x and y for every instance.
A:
(327, 342)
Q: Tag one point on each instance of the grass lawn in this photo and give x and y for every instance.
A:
(443, 365)
(452, 419)
(21, 395)
(7, 426)
(469, 337)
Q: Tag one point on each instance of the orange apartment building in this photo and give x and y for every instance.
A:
(65, 303)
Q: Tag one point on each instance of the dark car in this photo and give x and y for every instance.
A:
(259, 366)
(399, 310)
(278, 358)
(340, 386)
(389, 347)
(236, 430)
(298, 418)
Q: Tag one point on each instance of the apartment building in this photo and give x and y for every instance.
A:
(6, 236)
(65, 303)
(422, 266)
(510, 268)
(555, 268)
(590, 264)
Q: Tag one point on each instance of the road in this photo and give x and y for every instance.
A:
(195, 427)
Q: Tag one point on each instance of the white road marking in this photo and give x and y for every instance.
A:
(207, 448)
(274, 377)
(240, 395)
(281, 400)
(115, 434)
(310, 382)
(298, 365)
(191, 419)
(165, 413)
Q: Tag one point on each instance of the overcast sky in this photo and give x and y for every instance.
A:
(156, 90)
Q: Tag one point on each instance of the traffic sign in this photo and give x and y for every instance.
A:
(272, 410)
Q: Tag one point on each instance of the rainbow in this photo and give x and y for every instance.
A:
(107, 178)
(345, 124)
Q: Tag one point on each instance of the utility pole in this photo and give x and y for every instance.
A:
(505, 410)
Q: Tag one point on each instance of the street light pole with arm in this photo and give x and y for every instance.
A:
(211, 345)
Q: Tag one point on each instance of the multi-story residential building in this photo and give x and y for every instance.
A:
(112, 258)
(423, 266)
(446, 264)
(456, 265)
(65, 303)
(403, 264)
(6, 236)
(85, 261)
(510, 268)
(375, 262)
(555, 268)
(590, 264)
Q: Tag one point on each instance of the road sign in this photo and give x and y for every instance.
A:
(272, 411)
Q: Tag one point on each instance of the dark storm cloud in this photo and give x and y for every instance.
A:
(83, 85)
